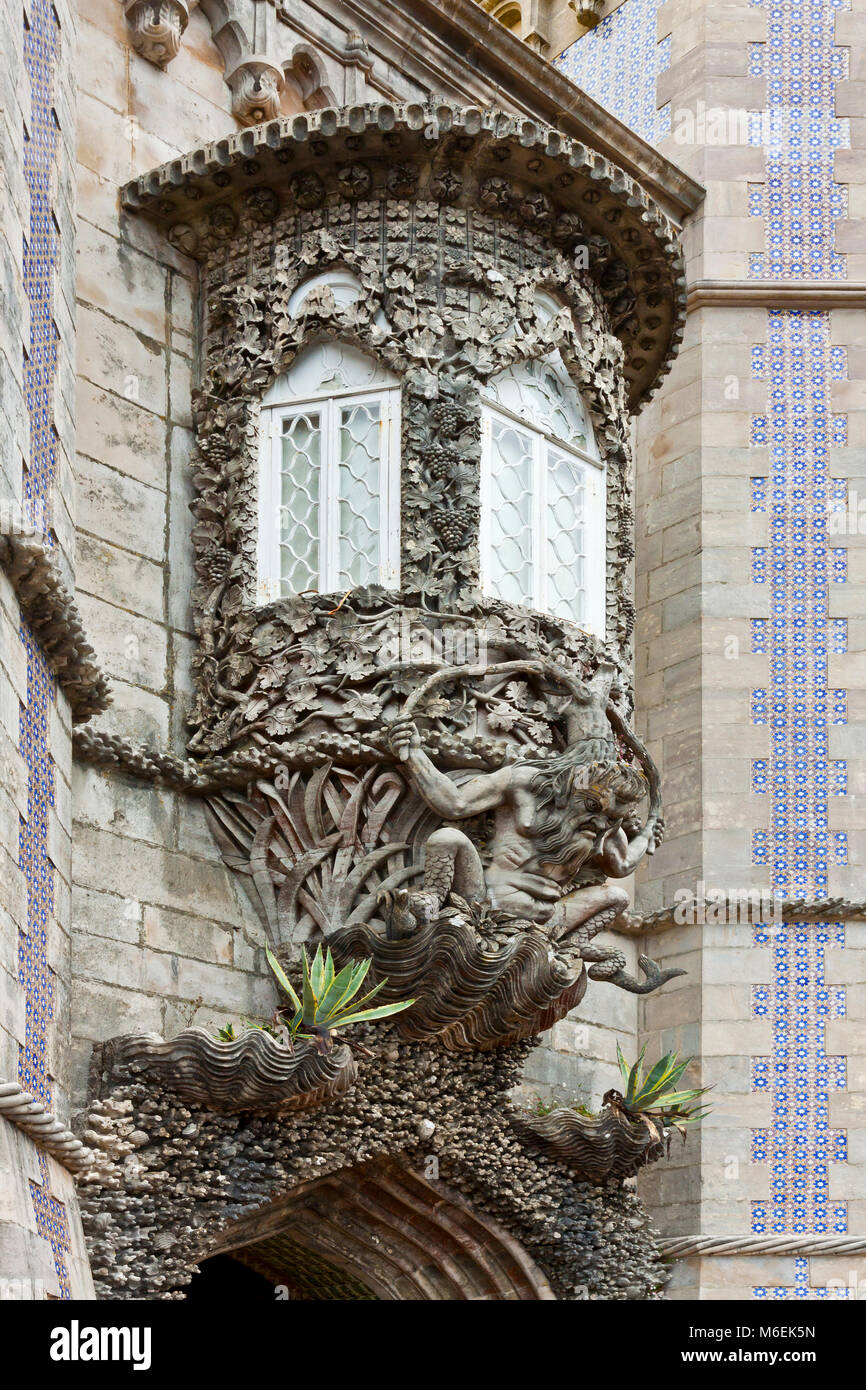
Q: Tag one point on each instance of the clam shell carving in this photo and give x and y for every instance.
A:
(468, 997)
(595, 1147)
(252, 1073)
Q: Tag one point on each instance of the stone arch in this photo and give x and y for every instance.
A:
(508, 13)
(305, 82)
(382, 1231)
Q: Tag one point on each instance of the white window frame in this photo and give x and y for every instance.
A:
(595, 517)
(328, 405)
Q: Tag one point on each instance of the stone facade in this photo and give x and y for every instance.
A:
(746, 652)
(149, 927)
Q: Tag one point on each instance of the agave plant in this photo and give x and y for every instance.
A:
(328, 998)
(229, 1033)
(653, 1098)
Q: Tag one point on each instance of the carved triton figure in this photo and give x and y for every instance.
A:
(561, 825)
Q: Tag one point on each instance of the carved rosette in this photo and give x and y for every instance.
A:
(255, 86)
(156, 28)
(594, 1147)
(255, 1072)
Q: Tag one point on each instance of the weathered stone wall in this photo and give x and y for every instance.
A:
(37, 96)
(708, 655)
(149, 930)
(160, 935)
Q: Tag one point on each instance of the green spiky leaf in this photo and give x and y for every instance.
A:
(383, 1011)
(282, 978)
(308, 994)
(340, 992)
(632, 1087)
(674, 1098)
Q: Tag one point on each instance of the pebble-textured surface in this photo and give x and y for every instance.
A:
(170, 1178)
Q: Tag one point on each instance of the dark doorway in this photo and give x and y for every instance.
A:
(224, 1277)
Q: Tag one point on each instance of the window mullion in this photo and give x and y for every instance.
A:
(275, 501)
(383, 404)
(389, 556)
(330, 531)
(539, 529)
(485, 499)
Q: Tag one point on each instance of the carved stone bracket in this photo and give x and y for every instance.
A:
(588, 12)
(156, 28)
(596, 1147)
(256, 85)
(359, 66)
(49, 610)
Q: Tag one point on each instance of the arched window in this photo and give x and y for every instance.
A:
(342, 284)
(542, 495)
(329, 504)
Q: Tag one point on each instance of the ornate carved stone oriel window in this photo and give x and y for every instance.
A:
(542, 495)
(329, 492)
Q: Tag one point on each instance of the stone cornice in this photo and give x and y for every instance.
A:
(530, 174)
(50, 612)
(777, 294)
(471, 45)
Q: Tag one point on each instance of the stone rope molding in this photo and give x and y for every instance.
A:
(49, 609)
(793, 910)
(46, 1131)
(681, 1247)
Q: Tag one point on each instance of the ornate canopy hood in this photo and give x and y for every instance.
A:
(518, 170)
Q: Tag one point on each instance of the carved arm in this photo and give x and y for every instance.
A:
(443, 796)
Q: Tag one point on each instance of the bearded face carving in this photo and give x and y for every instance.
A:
(561, 825)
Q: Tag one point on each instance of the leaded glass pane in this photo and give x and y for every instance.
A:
(565, 528)
(360, 454)
(299, 502)
(542, 393)
(510, 511)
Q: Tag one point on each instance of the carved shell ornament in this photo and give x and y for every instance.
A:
(254, 1072)
(595, 1147)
